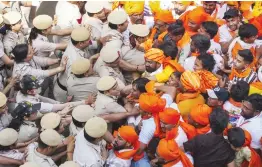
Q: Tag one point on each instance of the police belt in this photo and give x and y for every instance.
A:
(61, 86)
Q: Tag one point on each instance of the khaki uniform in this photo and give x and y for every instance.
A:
(60, 92)
(3, 73)
(113, 72)
(34, 67)
(11, 39)
(106, 105)
(134, 57)
(27, 132)
(73, 130)
(81, 88)
(116, 40)
(5, 120)
(42, 46)
(39, 159)
(14, 154)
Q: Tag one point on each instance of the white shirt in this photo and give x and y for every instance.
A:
(114, 161)
(181, 137)
(254, 127)
(233, 111)
(87, 154)
(179, 164)
(215, 47)
(159, 70)
(224, 34)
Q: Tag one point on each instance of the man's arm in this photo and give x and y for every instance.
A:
(231, 164)
(9, 161)
(130, 67)
(59, 156)
(170, 90)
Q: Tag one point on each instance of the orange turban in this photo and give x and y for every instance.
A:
(169, 116)
(136, 7)
(165, 16)
(129, 134)
(200, 114)
(154, 6)
(155, 55)
(186, 3)
(152, 103)
(233, 3)
(208, 80)
(190, 81)
(198, 15)
(257, 22)
(169, 150)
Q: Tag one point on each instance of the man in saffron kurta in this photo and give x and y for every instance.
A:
(191, 96)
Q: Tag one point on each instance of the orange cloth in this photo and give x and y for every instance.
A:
(165, 16)
(237, 104)
(154, 6)
(171, 116)
(155, 54)
(233, 3)
(174, 64)
(187, 3)
(255, 158)
(198, 15)
(129, 134)
(169, 150)
(243, 74)
(184, 40)
(257, 22)
(134, 7)
(208, 80)
(190, 81)
(200, 114)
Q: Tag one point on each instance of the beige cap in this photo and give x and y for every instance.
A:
(30, 164)
(105, 83)
(8, 137)
(3, 99)
(107, 5)
(80, 66)
(110, 54)
(42, 22)
(117, 16)
(96, 127)
(80, 34)
(82, 113)
(69, 164)
(51, 137)
(94, 6)
(12, 17)
(50, 121)
(1, 19)
(140, 30)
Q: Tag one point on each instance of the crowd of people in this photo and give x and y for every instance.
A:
(131, 84)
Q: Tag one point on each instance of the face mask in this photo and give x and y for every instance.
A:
(3, 30)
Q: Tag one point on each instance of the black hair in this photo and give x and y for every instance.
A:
(8, 27)
(176, 28)
(208, 61)
(33, 34)
(218, 120)
(89, 138)
(140, 84)
(4, 148)
(247, 31)
(41, 144)
(211, 28)
(112, 26)
(201, 42)
(74, 42)
(79, 75)
(169, 48)
(236, 137)
(239, 91)
(177, 74)
(77, 123)
(247, 55)
(256, 101)
(20, 52)
(90, 14)
(58, 126)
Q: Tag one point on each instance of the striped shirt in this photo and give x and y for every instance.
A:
(252, 77)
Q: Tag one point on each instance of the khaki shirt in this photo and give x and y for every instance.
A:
(38, 158)
(11, 39)
(81, 88)
(14, 154)
(117, 39)
(42, 46)
(73, 130)
(27, 132)
(5, 120)
(33, 67)
(106, 105)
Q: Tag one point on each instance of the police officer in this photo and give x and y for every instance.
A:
(81, 83)
(80, 40)
(5, 117)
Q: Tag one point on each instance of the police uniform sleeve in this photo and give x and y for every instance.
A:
(42, 61)
(9, 42)
(46, 46)
(114, 107)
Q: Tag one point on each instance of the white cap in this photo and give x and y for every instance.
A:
(82, 113)
(42, 22)
(259, 74)
(30, 164)
(8, 137)
(80, 34)
(117, 17)
(105, 83)
(69, 164)
(107, 5)
(50, 121)
(12, 17)
(140, 30)
(3, 99)
(80, 66)
(94, 6)
(109, 54)
(50, 137)
(96, 127)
